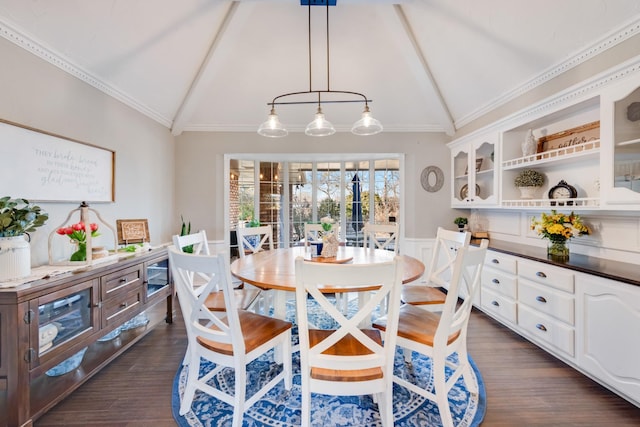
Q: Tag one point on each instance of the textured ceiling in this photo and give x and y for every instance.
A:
(428, 65)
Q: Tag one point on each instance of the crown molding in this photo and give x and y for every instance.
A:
(607, 42)
(21, 39)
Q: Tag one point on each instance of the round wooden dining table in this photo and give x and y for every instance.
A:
(275, 269)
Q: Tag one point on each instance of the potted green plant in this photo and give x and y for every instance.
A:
(17, 218)
(529, 181)
(460, 222)
(185, 229)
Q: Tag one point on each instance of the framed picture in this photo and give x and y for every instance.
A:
(570, 137)
(132, 231)
(478, 166)
(42, 166)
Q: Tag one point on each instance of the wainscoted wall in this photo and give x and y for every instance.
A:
(615, 237)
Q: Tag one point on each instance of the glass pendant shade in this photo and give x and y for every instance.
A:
(367, 125)
(319, 126)
(272, 128)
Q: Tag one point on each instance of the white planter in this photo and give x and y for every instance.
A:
(529, 192)
(15, 258)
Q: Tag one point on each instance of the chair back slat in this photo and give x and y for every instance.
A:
(312, 233)
(382, 236)
(263, 236)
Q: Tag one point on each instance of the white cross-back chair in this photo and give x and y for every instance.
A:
(347, 360)
(312, 233)
(382, 236)
(252, 240)
(262, 236)
(428, 295)
(230, 341)
(378, 236)
(439, 335)
(215, 301)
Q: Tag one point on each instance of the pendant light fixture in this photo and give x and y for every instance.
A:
(320, 126)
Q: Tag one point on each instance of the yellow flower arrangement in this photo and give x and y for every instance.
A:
(559, 227)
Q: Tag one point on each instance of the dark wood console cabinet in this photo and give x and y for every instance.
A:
(81, 307)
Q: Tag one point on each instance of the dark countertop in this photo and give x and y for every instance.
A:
(614, 270)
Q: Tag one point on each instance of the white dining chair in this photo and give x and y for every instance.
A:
(382, 236)
(440, 335)
(428, 295)
(232, 341)
(347, 360)
(312, 233)
(252, 240)
(215, 301)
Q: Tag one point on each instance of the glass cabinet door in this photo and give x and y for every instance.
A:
(157, 277)
(626, 138)
(460, 168)
(484, 172)
(620, 132)
(64, 319)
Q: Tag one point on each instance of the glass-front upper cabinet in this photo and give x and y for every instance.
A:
(473, 172)
(620, 173)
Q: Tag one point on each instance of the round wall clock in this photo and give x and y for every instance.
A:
(432, 179)
(562, 191)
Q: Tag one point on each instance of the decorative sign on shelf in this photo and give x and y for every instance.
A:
(41, 166)
(570, 137)
(132, 231)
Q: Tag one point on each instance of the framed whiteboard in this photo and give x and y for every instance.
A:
(40, 166)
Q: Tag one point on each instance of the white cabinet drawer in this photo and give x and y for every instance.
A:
(499, 282)
(499, 305)
(502, 262)
(547, 331)
(547, 300)
(559, 278)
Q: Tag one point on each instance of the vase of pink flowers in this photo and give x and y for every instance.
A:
(77, 233)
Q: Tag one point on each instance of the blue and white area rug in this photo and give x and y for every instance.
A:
(281, 408)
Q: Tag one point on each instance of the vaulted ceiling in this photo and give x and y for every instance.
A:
(211, 65)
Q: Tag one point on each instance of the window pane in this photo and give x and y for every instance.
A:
(387, 191)
(300, 180)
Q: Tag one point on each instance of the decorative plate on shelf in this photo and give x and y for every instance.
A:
(464, 191)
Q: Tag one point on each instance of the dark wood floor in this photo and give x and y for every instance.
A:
(525, 386)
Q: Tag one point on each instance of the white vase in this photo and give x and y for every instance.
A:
(529, 145)
(529, 192)
(15, 258)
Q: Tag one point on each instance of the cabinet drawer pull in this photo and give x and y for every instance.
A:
(541, 299)
(123, 280)
(495, 261)
(496, 303)
(496, 281)
(541, 327)
(98, 304)
(123, 305)
(541, 274)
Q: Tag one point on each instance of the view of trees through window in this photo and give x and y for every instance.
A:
(286, 195)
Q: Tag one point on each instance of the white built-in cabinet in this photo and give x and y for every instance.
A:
(591, 323)
(474, 172)
(604, 169)
(608, 342)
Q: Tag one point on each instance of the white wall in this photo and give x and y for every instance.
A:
(199, 182)
(40, 95)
